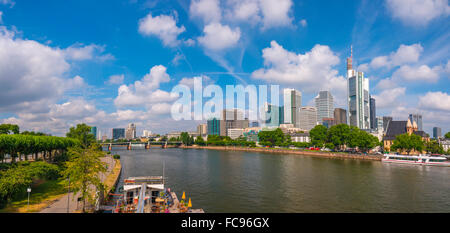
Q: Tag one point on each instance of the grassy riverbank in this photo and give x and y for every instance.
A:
(113, 177)
(42, 195)
(333, 155)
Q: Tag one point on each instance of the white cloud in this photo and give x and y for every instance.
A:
(190, 81)
(115, 79)
(420, 73)
(418, 12)
(243, 10)
(363, 67)
(276, 13)
(311, 72)
(389, 97)
(163, 26)
(219, 37)
(405, 54)
(435, 101)
(79, 52)
(77, 108)
(207, 10)
(31, 73)
(144, 91)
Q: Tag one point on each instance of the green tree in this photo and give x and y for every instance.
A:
(367, 141)
(433, 147)
(186, 139)
(83, 170)
(338, 135)
(447, 135)
(406, 142)
(82, 132)
(200, 141)
(9, 128)
(318, 135)
(272, 137)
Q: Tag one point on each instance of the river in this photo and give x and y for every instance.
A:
(243, 182)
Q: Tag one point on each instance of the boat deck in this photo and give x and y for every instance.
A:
(177, 208)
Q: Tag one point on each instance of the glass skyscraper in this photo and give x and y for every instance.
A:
(324, 105)
(373, 114)
(418, 119)
(292, 103)
(358, 97)
(118, 133)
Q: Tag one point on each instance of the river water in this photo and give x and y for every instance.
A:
(243, 182)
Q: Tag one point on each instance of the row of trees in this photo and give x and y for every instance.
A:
(22, 146)
(216, 140)
(339, 137)
(80, 161)
(408, 143)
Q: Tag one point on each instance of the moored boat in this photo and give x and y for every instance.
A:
(416, 160)
(149, 195)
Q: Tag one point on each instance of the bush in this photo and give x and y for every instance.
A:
(15, 180)
(116, 156)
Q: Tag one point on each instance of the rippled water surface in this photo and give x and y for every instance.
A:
(222, 181)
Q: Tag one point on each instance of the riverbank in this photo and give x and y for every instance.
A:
(332, 155)
(113, 178)
(42, 195)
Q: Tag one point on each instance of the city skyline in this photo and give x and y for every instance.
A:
(105, 73)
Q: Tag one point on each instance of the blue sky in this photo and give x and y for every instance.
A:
(109, 63)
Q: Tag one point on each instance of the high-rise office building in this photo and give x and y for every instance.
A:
(386, 121)
(213, 127)
(418, 119)
(292, 103)
(380, 124)
(358, 97)
(94, 131)
(324, 105)
(437, 132)
(130, 133)
(202, 129)
(307, 117)
(232, 119)
(118, 133)
(373, 114)
(340, 116)
(274, 115)
(146, 133)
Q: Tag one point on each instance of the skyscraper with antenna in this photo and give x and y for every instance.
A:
(358, 96)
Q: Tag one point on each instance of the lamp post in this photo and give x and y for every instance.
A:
(29, 191)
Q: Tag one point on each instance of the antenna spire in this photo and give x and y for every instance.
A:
(351, 51)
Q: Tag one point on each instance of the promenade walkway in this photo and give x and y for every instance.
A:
(60, 206)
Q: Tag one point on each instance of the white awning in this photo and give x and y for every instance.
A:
(151, 186)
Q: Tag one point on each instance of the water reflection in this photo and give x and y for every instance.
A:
(220, 181)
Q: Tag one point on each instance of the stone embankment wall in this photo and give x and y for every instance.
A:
(292, 151)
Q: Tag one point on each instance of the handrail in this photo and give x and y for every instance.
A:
(141, 203)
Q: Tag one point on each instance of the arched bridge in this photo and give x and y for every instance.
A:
(146, 145)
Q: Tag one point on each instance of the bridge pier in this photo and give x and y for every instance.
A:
(147, 146)
(110, 147)
(129, 146)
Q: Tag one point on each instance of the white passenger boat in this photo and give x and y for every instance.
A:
(416, 160)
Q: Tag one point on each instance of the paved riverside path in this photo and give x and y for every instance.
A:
(60, 206)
